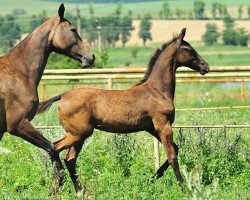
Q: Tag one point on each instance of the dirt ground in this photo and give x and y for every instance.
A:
(162, 30)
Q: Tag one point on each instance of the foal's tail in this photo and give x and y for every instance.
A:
(45, 105)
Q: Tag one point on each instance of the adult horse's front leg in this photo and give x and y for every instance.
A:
(26, 131)
(165, 132)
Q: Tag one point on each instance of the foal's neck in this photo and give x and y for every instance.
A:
(163, 74)
(32, 53)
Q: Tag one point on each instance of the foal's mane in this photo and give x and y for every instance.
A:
(154, 58)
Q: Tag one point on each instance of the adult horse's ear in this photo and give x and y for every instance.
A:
(61, 11)
(182, 34)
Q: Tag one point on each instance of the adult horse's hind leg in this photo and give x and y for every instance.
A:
(166, 164)
(30, 134)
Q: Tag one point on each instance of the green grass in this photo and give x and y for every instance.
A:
(218, 55)
(24, 174)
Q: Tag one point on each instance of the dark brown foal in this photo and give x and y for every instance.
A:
(149, 105)
(20, 73)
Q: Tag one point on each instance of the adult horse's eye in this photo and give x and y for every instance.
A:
(76, 34)
(73, 30)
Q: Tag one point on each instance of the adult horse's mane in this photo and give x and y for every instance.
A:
(154, 58)
(20, 43)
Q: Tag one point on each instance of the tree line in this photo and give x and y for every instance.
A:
(218, 11)
(230, 35)
(113, 27)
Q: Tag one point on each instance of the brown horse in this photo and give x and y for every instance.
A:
(20, 73)
(149, 105)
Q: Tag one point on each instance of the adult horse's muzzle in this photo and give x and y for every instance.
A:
(87, 61)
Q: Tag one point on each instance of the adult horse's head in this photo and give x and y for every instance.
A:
(64, 39)
(187, 56)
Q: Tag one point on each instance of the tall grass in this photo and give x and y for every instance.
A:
(121, 166)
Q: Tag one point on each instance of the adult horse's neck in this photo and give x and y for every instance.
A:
(162, 76)
(32, 53)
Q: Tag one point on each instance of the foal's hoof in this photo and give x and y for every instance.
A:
(80, 194)
(181, 186)
(61, 177)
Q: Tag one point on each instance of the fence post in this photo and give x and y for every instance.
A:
(242, 90)
(43, 92)
(110, 83)
(156, 154)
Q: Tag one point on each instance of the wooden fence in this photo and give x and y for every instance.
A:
(127, 75)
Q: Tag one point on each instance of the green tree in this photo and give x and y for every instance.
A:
(180, 13)
(248, 11)
(111, 27)
(228, 22)
(199, 9)
(240, 11)
(145, 26)
(229, 34)
(229, 37)
(224, 10)
(211, 35)
(118, 10)
(166, 12)
(91, 9)
(36, 21)
(10, 31)
(242, 37)
(214, 10)
(126, 28)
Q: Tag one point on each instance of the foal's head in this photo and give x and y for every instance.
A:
(65, 40)
(188, 57)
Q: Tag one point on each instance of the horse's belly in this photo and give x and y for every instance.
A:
(124, 126)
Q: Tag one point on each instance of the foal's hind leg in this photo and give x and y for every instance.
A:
(165, 132)
(71, 140)
(70, 162)
(166, 164)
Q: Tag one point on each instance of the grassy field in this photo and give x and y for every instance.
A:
(217, 55)
(37, 6)
(107, 172)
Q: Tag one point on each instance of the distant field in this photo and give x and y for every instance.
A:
(37, 6)
(162, 30)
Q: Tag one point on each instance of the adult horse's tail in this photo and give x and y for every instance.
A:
(45, 105)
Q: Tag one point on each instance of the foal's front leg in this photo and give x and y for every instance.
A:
(166, 164)
(165, 132)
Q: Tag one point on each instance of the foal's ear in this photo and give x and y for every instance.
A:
(182, 34)
(61, 11)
